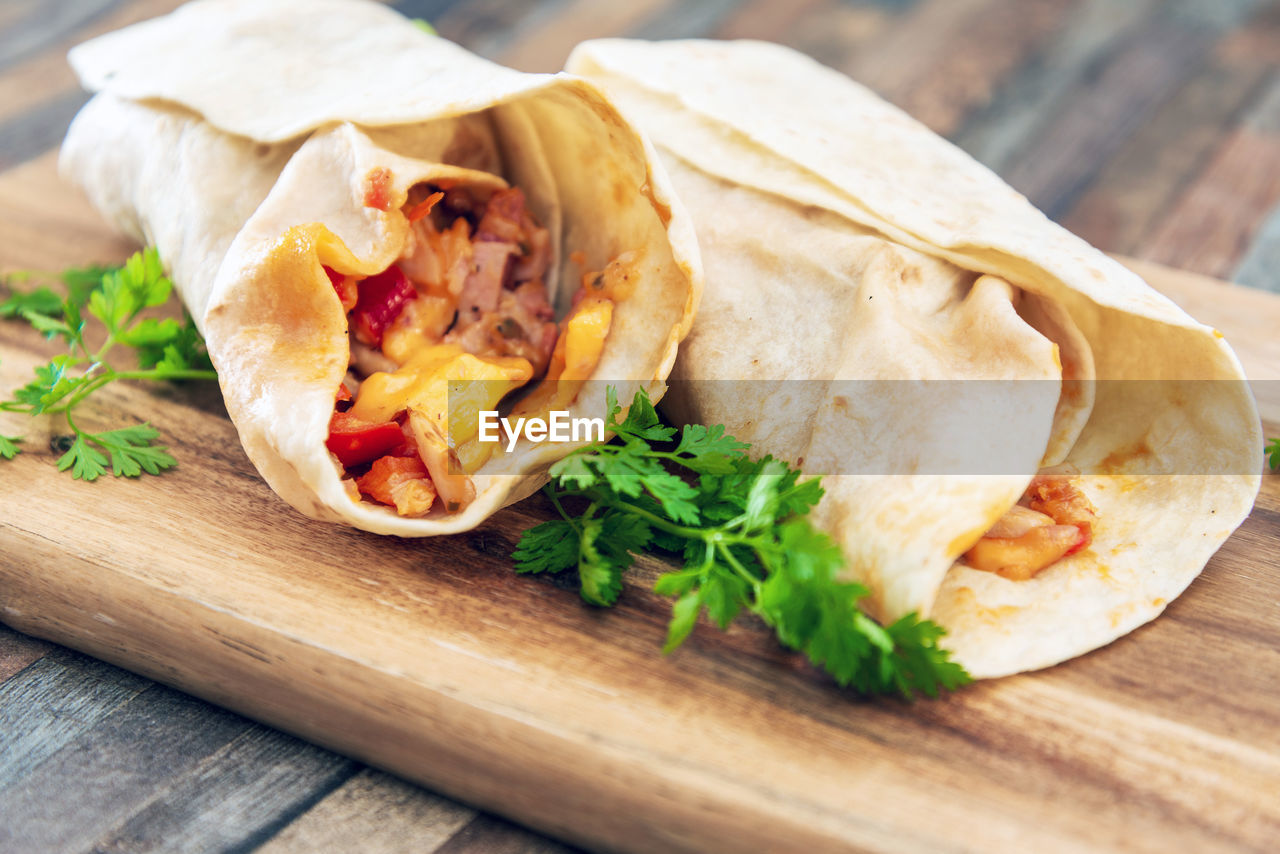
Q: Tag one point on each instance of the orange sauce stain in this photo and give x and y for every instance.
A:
(1121, 459)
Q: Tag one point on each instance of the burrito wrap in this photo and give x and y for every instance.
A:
(240, 139)
(844, 241)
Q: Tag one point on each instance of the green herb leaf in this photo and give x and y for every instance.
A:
(85, 461)
(549, 547)
(598, 571)
(165, 349)
(741, 532)
(41, 301)
(132, 452)
(1273, 454)
(9, 446)
(684, 616)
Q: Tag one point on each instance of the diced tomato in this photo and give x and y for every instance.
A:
(344, 286)
(382, 298)
(377, 188)
(342, 400)
(355, 442)
(401, 482)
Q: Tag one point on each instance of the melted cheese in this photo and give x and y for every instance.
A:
(446, 385)
(583, 336)
(577, 352)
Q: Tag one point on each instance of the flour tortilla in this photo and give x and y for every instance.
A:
(843, 241)
(238, 137)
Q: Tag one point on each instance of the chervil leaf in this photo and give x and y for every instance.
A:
(81, 281)
(724, 594)
(51, 385)
(740, 531)
(50, 326)
(684, 616)
(642, 421)
(149, 337)
(677, 583)
(140, 283)
(41, 301)
(549, 547)
(85, 461)
(9, 446)
(166, 349)
(598, 569)
(919, 664)
(186, 352)
(624, 534)
(574, 472)
(708, 450)
(131, 450)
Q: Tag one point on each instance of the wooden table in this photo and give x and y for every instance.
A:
(1151, 128)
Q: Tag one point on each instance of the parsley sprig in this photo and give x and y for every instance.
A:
(165, 350)
(739, 526)
(1272, 450)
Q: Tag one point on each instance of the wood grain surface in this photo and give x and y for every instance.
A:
(1150, 127)
(434, 660)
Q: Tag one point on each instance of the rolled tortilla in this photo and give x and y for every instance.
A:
(859, 270)
(244, 140)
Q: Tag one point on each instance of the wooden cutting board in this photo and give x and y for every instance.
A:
(432, 659)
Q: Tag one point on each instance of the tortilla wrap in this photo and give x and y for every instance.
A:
(858, 267)
(241, 139)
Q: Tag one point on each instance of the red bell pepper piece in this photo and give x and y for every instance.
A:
(344, 286)
(356, 442)
(382, 298)
(387, 474)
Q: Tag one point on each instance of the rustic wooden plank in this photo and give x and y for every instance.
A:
(980, 52)
(689, 19)
(891, 64)
(238, 797)
(835, 31)
(932, 734)
(1260, 266)
(15, 11)
(38, 129)
(490, 27)
(38, 91)
(48, 224)
(768, 19)
(51, 704)
(111, 770)
(1140, 184)
(375, 813)
(46, 24)
(944, 750)
(17, 651)
(488, 834)
(546, 45)
(426, 10)
(995, 132)
(719, 687)
(1215, 219)
(1090, 126)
